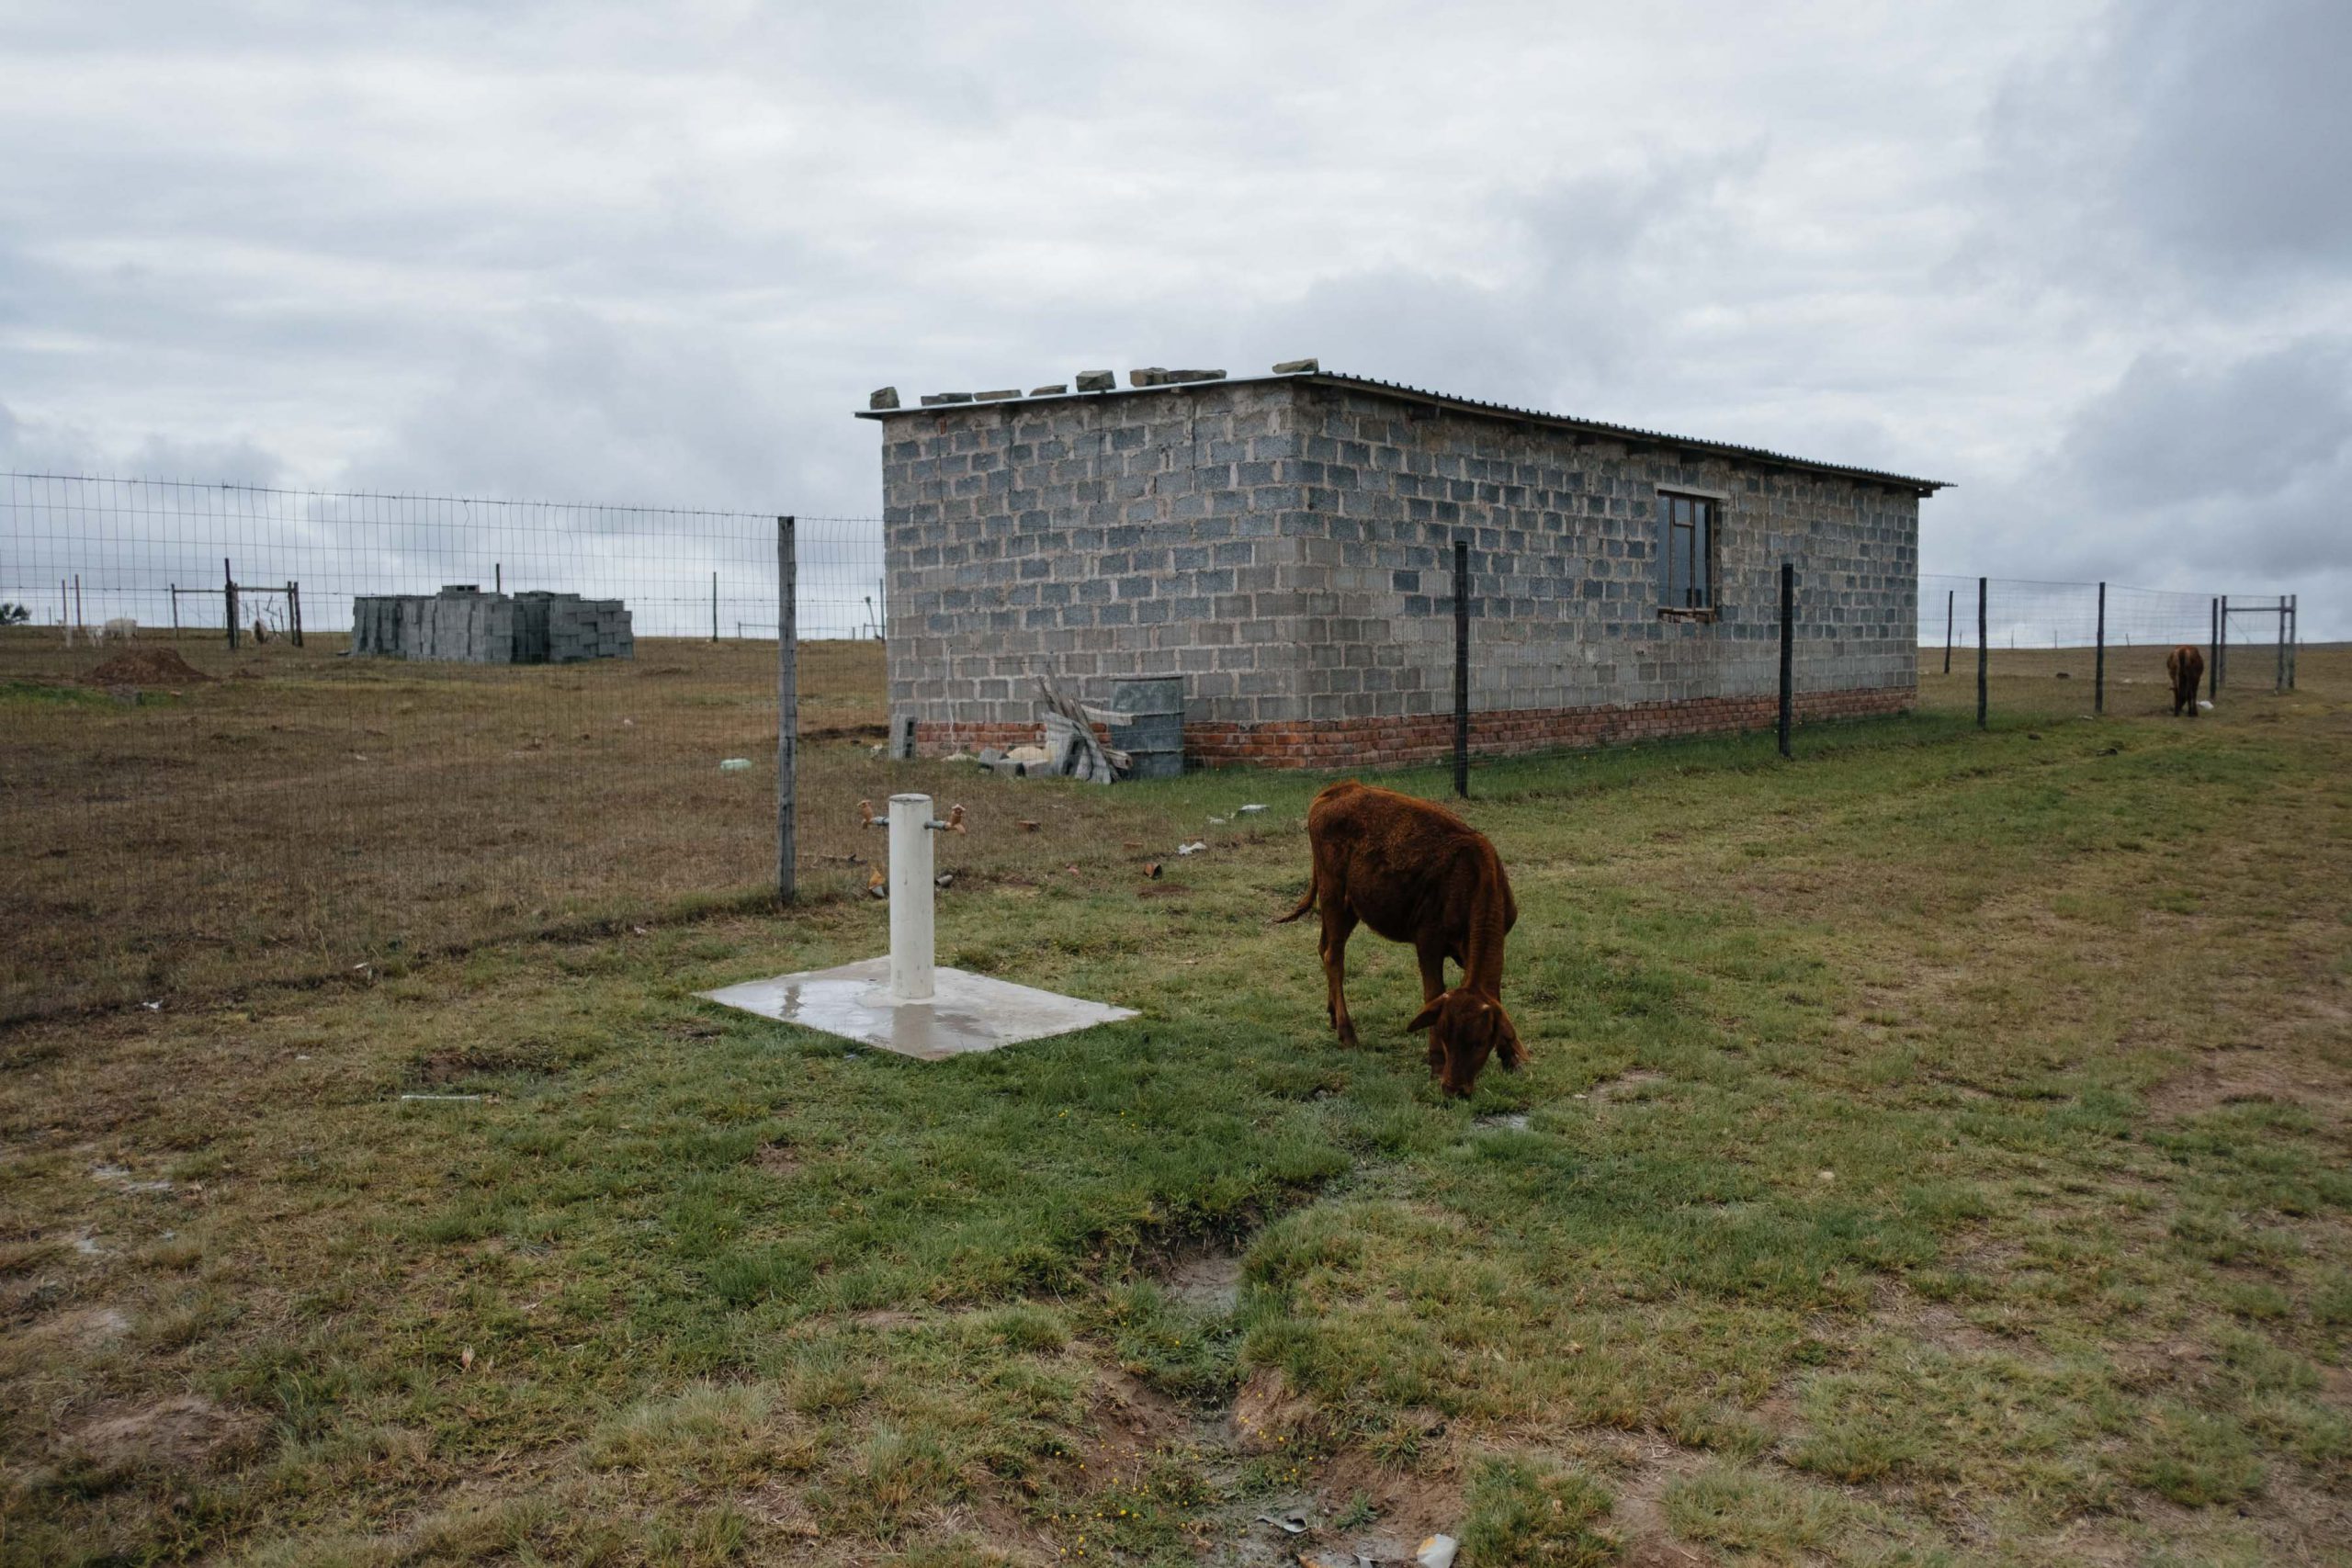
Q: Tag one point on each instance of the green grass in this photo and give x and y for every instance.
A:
(1935, 1152)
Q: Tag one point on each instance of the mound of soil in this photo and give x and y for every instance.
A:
(145, 667)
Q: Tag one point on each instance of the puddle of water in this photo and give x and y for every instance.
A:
(1208, 1281)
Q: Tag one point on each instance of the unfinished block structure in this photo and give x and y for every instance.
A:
(465, 625)
(1286, 545)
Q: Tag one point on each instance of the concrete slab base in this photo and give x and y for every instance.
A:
(966, 1012)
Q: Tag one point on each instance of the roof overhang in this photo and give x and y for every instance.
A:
(1584, 429)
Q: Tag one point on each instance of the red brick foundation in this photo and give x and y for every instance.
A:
(1426, 737)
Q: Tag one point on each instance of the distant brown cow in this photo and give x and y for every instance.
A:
(1415, 873)
(2187, 668)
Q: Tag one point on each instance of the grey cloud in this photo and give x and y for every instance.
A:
(2170, 432)
(2210, 138)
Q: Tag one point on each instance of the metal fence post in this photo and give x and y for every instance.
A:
(2214, 659)
(2098, 674)
(1788, 651)
(713, 606)
(1949, 593)
(2294, 635)
(1462, 669)
(2278, 687)
(1981, 652)
(787, 703)
(2222, 648)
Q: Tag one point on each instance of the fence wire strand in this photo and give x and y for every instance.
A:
(2041, 645)
(267, 808)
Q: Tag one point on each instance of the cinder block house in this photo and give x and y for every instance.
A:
(1285, 544)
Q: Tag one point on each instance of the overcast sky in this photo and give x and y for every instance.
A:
(2091, 263)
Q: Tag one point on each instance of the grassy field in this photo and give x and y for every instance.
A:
(301, 812)
(1934, 1151)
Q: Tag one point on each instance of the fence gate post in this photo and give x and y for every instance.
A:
(2099, 673)
(1462, 669)
(1788, 651)
(787, 703)
(1981, 652)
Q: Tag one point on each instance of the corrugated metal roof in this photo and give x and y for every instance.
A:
(1472, 406)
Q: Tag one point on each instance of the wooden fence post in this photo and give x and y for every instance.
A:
(2099, 677)
(1788, 651)
(228, 599)
(2213, 659)
(787, 705)
(1981, 652)
(294, 609)
(1462, 669)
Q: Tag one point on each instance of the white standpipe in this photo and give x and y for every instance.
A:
(911, 895)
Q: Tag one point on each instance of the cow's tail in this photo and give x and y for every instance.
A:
(1306, 900)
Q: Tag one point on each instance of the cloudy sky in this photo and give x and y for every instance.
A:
(2092, 262)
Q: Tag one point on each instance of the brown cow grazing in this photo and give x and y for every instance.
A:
(1418, 873)
(2187, 668)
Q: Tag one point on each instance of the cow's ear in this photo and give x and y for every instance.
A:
(1428, 1015)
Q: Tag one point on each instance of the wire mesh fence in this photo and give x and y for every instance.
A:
(258, 732)
(2055, 649)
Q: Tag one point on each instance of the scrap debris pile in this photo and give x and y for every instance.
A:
(1067, 746)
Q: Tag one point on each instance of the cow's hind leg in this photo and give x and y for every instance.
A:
(1338, 923)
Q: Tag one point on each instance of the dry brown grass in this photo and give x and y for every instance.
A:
(304, 812)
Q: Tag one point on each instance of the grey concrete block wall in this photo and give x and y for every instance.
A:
(1094, 539)
(1286, 546)
(1566, 584)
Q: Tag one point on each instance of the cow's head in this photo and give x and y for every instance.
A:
(1465, 1028)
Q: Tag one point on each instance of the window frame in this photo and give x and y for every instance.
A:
(1699, 543)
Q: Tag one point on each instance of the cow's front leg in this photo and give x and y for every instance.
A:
(1432, 958)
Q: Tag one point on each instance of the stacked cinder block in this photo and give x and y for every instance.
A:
(462, 624)
(1286, 547)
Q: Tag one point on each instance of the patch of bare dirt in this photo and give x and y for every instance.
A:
(2260, 1071)
(1641, 1517)
(1625, 1084)
(186, 1433)
(1133, 1423)
(1267, 1413)
(145, 667)
(84, 1327)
